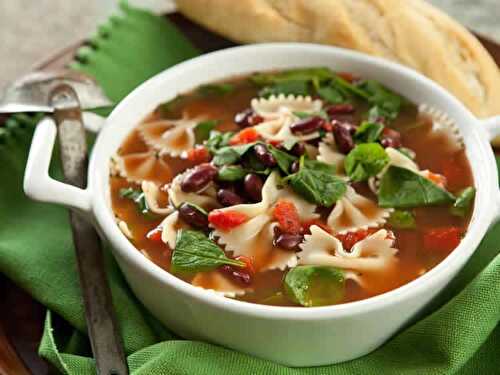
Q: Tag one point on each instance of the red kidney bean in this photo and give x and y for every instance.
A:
(294, 168)
(307, 125)
(340, 109)
(239, 275)
(287, 241)
(298, 149)
(253, 187)
(199, 177)
(193, 216)
(391, 138)
(343, 136)
(264, 155)
(247, 118)
(228, 198)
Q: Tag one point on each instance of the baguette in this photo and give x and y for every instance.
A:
(411, 32)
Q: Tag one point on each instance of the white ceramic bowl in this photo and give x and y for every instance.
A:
(288, 335)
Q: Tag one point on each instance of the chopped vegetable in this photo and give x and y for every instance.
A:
(464, 201)
(202, 130)
(230, 154)
(137, 196)
(283, 159)
(194, 252)
(317, 183)
(245, 136)
(351, 238)
(401, 219)
(368, 132)
(215, 89)
(386, 104)
(287, 216)
(438, 179)
(231, 173)
(198, 155)
(315, 285)
(365, 160)
(226, 220)
(442, 239)
(331, 94)
(155, 234)
(402, 188)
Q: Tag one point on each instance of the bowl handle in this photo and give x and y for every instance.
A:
(38, 185)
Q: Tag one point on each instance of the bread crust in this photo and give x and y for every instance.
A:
(411, 32)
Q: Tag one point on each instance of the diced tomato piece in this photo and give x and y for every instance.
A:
(247, 135)
(442, 239)
(198, 155)
(226, 220)
(248, 263)
(275, 143)
(438, 179)
(350, 239)
(327, 126)
(349, 77)
(306, 226)
(287, 216)
(155, 234)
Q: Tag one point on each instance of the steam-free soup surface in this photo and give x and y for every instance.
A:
(422, 236)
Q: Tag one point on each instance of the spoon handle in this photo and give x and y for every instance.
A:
(101, 320)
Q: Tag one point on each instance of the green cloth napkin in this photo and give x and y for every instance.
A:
(458, 335)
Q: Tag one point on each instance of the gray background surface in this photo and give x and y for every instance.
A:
(31, 30)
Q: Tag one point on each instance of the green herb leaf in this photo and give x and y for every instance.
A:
(215, 89)
(286, 88)
(137, 196)
(315, 285)
(317, 183)
(231, 173)
(365, 160)
(402, 188)
(401, 219)
(202, 130)
(309, 74)
(283, 159)
(386, 103)
(368, 132)
(331, 94)
(230, 154)
(217, 140)
(464, 201)
(168, 108)
(194, 252)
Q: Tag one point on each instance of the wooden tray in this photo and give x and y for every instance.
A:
(21, 318)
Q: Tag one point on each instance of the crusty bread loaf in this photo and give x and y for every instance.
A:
(411, 32)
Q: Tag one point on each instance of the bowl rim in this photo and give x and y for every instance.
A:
(452, 263)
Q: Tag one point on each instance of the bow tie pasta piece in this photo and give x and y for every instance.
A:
(372, 254)
(278, 113)
(139, 166)
(353, 212)
(151, 193)
(214, 281)
(443, 125)
(329, 154)
(398, 159)
(205, 199)
(171, 137)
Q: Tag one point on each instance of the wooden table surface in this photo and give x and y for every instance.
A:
(21, 318)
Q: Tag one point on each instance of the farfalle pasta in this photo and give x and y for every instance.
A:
(297, 188)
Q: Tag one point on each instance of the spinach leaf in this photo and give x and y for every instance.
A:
(365, 160)
(386, 103)
(218, 140)
(368, 132)
(402, 188)
(231, 173)
(401, 219)
(331, 94)
(230, 154)
(316, 182)
(283, 159)
(464, 201)
(168, 108)
(215, 89)
(138, 197)
(194, 252)
(315, 285)
(308, 74)
(202, 130)
(286, 88)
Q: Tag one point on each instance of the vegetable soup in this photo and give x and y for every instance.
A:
(295, 188)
